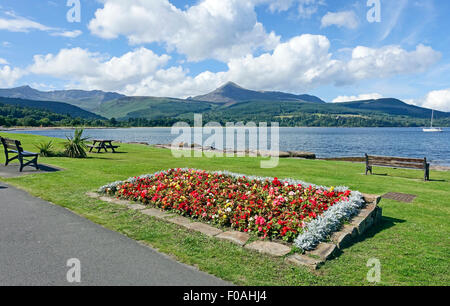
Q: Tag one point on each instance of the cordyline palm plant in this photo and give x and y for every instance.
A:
(45, 149)
(75, 147)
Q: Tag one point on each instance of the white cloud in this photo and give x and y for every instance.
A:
(298, 65)
(387, 61)
(3, 61)
(68, 34)
(305, 62)
(20, 24)
(361, 97)
(346, 19)
(438, 99)
(93, 71)
(394, 11)
(210, 29)
(8, 75)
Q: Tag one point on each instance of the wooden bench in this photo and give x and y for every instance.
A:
(15, 147)
(398, 162)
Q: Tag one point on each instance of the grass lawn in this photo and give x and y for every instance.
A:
(412, 242)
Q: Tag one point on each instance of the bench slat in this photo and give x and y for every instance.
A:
(11, 147)
(25, 153)
(399, 159)
(398, 162)
(10, 141)
(398, 165)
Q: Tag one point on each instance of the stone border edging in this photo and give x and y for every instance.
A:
(367, 217)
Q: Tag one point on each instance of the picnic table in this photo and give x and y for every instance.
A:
(102, 144)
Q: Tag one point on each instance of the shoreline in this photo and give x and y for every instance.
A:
(353, 159)
(4, 129)
(31, 128)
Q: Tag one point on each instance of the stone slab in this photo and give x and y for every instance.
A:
(378, 216)
(137, 207)
(303, 260)
(324, 251)
(369, 222)
(106, 199)
(182, 221)
(368, 210)
(342, 239)
(204, 229)
(350, 229)
(235, 237)
(360, 224)
(121, 202)
(371, 198)
(270, 248)
(93, 195)
(153, 212)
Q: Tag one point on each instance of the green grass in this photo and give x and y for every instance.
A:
(412, 242)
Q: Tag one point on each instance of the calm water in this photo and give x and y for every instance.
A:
(325, 142)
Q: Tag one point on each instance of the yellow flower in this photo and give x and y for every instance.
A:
(332, 189)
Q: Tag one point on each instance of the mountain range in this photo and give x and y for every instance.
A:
(89, 100)
(229, 101)
(55, 107)
(231, 93)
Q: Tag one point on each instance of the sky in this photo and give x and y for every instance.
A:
(337, 50)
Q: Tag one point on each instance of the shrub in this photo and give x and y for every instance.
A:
(75, 147)
(45, 149)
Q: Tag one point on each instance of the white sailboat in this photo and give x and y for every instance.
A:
(432, 129)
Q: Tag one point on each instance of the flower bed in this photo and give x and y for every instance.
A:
(271, 208)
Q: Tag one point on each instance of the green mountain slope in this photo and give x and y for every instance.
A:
(152, 108)
(232, 93)
(234, 103)
(155, 108)
(393, 107)
(88, 100)
(55, 107)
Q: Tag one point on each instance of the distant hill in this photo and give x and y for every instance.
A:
(234, 103)
(393, 107)
(88, 100)
(152, 107)
(55, 107)
(232, 93)
(386, 107)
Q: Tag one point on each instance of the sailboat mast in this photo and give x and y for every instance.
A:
(432, 116)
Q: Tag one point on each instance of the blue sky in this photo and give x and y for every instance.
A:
(184, 48)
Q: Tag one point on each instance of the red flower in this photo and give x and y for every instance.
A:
(268, 208)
